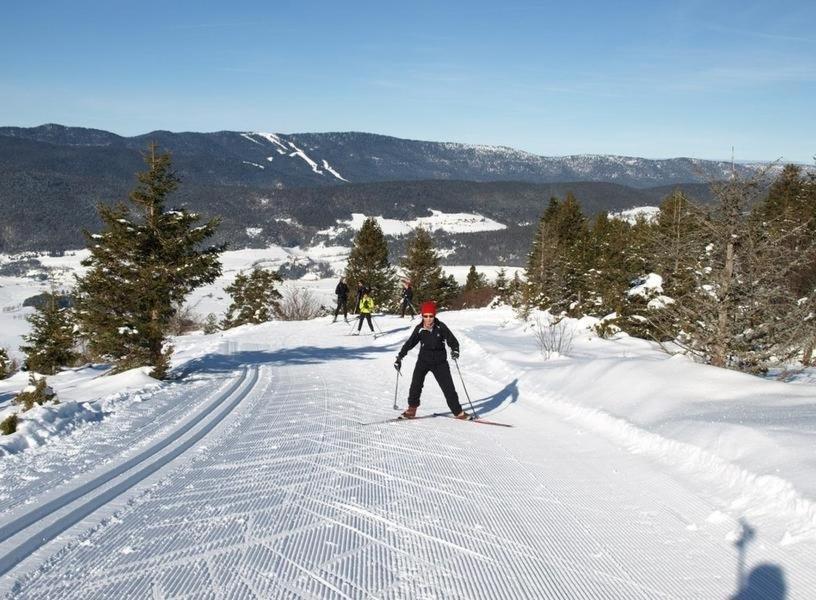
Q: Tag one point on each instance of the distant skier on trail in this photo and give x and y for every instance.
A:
(341, 291)
(365, 308)
(407, 297)
(431, 334)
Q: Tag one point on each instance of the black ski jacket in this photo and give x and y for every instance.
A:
(431, 343)
(341, 290)
(408, 293)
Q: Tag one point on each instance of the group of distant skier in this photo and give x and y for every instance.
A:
(431, 334)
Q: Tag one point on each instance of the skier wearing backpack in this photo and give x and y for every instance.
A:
(365, 309)
(431, 335)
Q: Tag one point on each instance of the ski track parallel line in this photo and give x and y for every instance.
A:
(44, 535)
(20, 523)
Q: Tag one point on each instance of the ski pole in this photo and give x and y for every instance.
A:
(464, 387)
(396, 391)
(377, 325)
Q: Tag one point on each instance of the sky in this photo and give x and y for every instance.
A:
(650, 79)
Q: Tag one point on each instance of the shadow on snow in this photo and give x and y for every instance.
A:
(300, 355)
(485, 405)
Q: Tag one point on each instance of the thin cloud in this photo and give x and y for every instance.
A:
(763, 34)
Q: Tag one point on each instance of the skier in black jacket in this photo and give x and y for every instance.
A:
(407, 297)
(341, 291)
(431, 334)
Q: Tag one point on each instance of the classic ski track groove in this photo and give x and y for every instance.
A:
(36, 529)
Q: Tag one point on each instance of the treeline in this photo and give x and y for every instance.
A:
(732, 283)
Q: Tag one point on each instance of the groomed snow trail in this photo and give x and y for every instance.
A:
(289, 496)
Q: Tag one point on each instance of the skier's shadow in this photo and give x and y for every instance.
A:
(765, 581)
(509, 392)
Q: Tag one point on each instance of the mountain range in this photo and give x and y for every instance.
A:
(286, 188)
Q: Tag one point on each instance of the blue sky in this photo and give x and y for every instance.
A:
(653, 79)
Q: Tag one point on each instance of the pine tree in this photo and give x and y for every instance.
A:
(474, 280)
(6, 365)
(254, 298)
(141, 267)
(502, 285)
(211, 324)
(517, 288)
(368, 262)
(421, 267)
(447, 291)
(556, 263)
(738, 308)
(52, 341)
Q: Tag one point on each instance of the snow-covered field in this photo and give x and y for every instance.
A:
(268, 468)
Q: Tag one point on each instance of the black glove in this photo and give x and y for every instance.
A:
(454, 354)
(398, 364)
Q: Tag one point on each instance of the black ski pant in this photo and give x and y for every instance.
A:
(366, 316)
(341, 305)
(407, 304)
(442, 374)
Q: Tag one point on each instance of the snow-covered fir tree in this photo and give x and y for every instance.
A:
(142, 265)
(255, 298)
(6, 366)
(51, 344)
(36, 393)
(368, 262)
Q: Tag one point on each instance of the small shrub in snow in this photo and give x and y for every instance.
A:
(554, 338)
(211, 324)
(36, 392)
(9, 424)
(184, 320)
(299, 304)
(7, 366)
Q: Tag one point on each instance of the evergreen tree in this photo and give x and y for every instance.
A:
(670, 248)
(474, 280)
(739, 309)
(517, 289)
(52, 341)
(210, 324)
(556, 263)
(502, 285)
(254, 298)
(447, 291)
(141, 267)
(6, 365)
(37, 392)
(787, 218)
(421, 267)
(368, 262)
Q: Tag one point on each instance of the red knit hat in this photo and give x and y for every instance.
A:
(427, 308)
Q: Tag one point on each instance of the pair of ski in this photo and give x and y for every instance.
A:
(444, 415)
